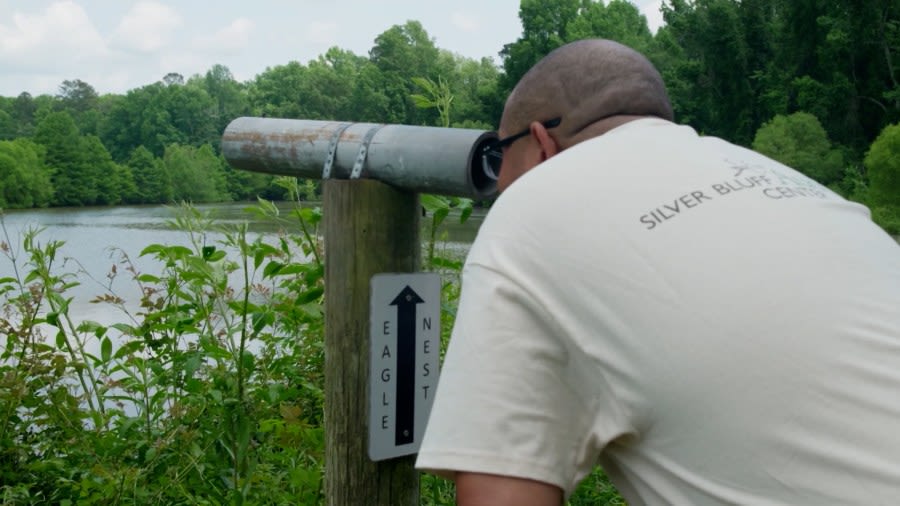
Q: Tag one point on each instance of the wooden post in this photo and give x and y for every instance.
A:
(370, 228)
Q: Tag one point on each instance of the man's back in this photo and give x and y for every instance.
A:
(713, 326)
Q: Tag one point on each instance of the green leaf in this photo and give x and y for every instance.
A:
(292, 269)
(53, 319)
(214, 350)
(310, 295)
(433, 203)
(148, 278)
(124, 328)
(105, 349)
(64, 306)
(268, 207)
(193, 385)
(211, 254)
(192, 364)
(439, 216)
(129, 348)
(153, 248)
(314, 310)
(270, 424)
(248, 361)
(446, 263)
(60, 340)
(422, 102)
(90, 326)
(310, 215)
(32, 276)
(465, 207)
(261, 320)
(272, 269)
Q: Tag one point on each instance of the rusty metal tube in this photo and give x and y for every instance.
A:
(445, 161)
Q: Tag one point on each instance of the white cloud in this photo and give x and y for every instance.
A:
(116, 45)
(147, 27)
(322, 32)
(61, 35)
(651, 10)
(233, 37)
(464, 22)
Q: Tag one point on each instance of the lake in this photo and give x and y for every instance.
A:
(96, 238)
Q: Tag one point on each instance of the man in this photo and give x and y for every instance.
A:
(708, 325)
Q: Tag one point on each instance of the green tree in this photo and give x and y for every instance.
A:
(22, 111)
(197, 174)
(274, 92)
(246, 185)
(138, 119)
(474, 83)
(228, 96)
(844, 54)
(77, 95)
(324, 90)
(328, 87)
(75, 177)
(24, 179)
(619, 20)
(401, 53)
(8, 127)
(337, 74)
(152, 183)
(157, 115)
(81, 100)
(800, 142)
(173, 78)
(114, 183)
(371, 101)
(883, 165)
(544, 28)
(193, 113)
(435, 95)
(709, 77)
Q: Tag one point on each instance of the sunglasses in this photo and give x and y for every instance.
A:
(492, 154)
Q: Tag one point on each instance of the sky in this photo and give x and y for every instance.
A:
(118, 45)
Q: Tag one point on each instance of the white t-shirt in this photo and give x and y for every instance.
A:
(707, 324)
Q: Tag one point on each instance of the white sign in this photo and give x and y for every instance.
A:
(405, 336)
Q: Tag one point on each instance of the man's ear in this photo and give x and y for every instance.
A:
(549, 147)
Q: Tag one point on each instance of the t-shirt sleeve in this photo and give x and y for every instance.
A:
(505, 403)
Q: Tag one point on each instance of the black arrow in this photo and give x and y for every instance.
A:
(406, 364)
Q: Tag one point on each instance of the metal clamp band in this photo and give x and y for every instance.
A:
(363, 150)
(332, 150)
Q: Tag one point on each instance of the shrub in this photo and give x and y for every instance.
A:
(883, 165)
(800, 142)
(211, 393)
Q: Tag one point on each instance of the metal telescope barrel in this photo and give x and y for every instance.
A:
(437, 160)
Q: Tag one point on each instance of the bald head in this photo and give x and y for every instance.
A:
(584, 83)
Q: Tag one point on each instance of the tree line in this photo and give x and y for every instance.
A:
(810, 83)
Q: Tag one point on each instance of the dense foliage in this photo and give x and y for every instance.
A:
(208, 390)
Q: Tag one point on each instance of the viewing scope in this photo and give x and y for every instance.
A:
(446, 161)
